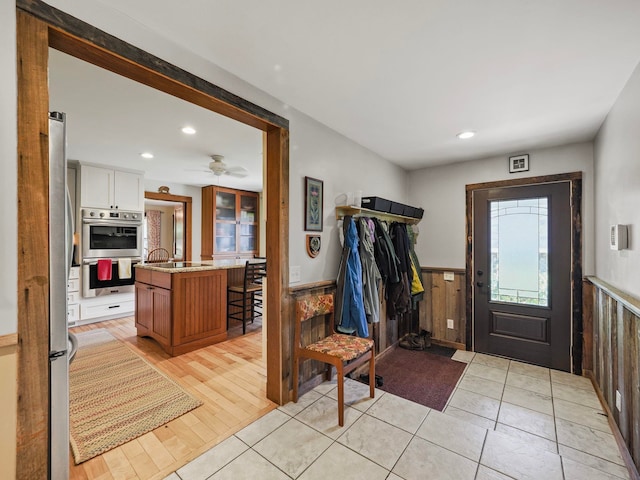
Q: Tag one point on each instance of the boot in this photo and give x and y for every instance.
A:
(426, 336)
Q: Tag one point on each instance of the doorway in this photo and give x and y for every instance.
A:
(524, 270)
(39, 27)
(522, 253)
(180, 227)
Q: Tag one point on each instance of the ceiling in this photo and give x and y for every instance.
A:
(403, 78)
(111, 120)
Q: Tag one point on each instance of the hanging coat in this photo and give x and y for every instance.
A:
(399, 300)
(370, 273)
(350, 315)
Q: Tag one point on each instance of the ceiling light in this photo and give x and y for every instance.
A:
(465, 135)
(146, 155)
(189, 130)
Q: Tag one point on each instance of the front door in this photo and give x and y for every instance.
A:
(522, 273)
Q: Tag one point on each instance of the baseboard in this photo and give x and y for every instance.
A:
(447, 343)
(622, 445)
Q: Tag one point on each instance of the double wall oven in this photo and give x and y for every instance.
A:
(115, 236)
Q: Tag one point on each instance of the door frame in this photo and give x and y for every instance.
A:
(575, 179)
(38, 27)
(186, 204)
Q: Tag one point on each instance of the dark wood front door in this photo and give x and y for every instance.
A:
(522, 273)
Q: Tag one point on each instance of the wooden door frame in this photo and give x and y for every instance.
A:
(186, 203)
(575, 179)
(38, 27)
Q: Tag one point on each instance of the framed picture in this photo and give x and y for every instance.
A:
(519, 163)
(313, 204)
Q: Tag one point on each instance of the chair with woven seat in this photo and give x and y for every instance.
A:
(244, 302)
(158, 255)
(345, 352)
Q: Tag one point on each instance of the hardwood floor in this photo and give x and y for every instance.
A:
(230, 378)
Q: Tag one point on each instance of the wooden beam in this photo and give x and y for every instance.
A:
(33, 244)
(279, 322)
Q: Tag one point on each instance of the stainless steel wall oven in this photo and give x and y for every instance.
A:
(111, 233)
(94, 286)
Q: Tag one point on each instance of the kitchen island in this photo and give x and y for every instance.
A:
(183, 305)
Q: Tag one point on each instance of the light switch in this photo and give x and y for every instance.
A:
(449, 276)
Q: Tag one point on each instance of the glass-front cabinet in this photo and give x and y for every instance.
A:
(229, 223)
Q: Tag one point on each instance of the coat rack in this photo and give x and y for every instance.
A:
(342, 212)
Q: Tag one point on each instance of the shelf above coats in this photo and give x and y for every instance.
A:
(342, 212)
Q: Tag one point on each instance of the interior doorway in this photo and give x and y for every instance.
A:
(39, 27)
(179, 226)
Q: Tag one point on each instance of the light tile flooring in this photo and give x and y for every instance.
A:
(505, 420)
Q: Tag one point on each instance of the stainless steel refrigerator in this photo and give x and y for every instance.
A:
(62, 344)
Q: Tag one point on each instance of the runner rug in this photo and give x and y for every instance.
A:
(116, 396)
(420, 376)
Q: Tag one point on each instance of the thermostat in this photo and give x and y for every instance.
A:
(619, 238)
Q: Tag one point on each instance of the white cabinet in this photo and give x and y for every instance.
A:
(73, 296)
(102, 187)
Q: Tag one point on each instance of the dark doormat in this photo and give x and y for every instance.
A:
(421, 376)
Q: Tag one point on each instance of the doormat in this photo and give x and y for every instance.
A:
(116, 396)
(420, 376)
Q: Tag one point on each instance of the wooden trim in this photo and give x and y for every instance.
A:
(33, 245)
(630, 302)
(8, 340)
(588, 304)
(90, 44)
(517, 182)
(443, 269)
(576, 253)
(187, 202)
(137, 64)
(447, 343)
(304, 288)
(622, 446)
(279, 323)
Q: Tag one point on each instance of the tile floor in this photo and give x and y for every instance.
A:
(505, 420)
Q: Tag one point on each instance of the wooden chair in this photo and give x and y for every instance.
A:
(158, 255)
(244, 302)
(345, 352)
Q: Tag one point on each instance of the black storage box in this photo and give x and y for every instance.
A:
(376, 203)
(418, 212)
(409, 211)
(397, 208)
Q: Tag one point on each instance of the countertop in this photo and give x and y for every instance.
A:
(181, 267)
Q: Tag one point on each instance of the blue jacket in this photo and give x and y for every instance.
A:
(352, 318)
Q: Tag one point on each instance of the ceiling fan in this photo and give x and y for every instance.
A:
(218, 168)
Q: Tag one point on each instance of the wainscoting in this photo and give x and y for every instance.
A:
(611, 322)
(444, 300)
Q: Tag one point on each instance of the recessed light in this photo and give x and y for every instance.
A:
(146, 155)
(189, 130)
(465, 135)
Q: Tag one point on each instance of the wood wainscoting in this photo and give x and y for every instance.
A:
(444, 299)
(611, 321)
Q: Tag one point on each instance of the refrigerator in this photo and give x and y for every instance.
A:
(62, 344)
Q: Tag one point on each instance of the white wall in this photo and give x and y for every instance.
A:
(441, 192)
(196, 209)
(8, 169)
(617, 170)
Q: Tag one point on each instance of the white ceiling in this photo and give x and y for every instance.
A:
(403, 78)
(111, 120)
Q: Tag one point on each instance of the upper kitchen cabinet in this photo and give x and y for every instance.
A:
(103, 187)
(230, 222)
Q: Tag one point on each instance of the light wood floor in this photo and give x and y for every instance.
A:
(230, 378)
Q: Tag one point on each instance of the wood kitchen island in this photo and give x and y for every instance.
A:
(183, 305)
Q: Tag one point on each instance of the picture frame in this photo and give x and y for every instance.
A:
(313, 204)
(519, 163)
